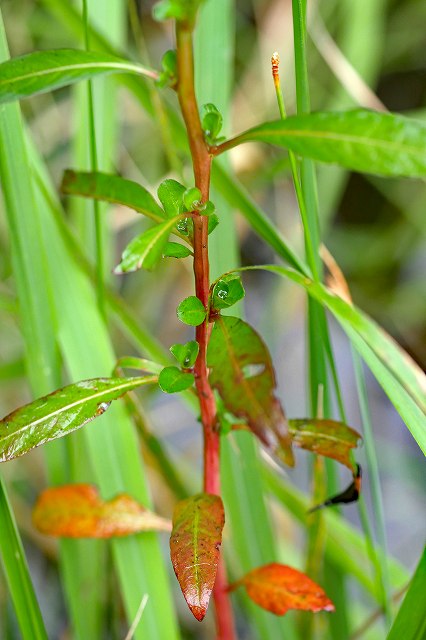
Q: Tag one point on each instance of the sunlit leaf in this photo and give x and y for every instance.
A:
(146, 249)
(278, 588)
(77, 511)
(191, 311)
(111, 188)
(44, 71)
(242, 372)
(61, 412)
(361, 140)
(173, 380)
(326, 437)
(194, 548)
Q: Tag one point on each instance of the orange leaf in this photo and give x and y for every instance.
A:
(278, 588)
(194, 548)
(77, 511)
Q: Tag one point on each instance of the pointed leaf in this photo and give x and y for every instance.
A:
(61, 412)
(326, 437)
(44, 71)
(77, 511)
(278, 588)
(191, 311)
(147, 249)
(176, 250)
(173, 380)
(194, 548)
(170, 193)
(242, 373)
(361, 140)
(111, 188)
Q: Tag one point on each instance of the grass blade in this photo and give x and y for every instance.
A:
(17, 575)
(410, 622)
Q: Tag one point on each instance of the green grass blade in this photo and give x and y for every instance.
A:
(373, 472)
(87, 350)
(410, 622)
(18, 578)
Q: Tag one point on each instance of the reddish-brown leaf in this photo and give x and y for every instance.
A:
(241, 370)
(194, 548)
(77, 511)
(327, 437)
(278, 588)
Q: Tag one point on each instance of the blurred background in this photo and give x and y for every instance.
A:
(369, 54)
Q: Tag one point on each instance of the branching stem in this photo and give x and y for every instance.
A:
(201, 161)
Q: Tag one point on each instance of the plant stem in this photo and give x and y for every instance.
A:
(201, 162)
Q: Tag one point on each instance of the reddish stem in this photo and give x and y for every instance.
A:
(201, 161)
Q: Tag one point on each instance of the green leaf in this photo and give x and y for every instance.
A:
(168, 77)
(192, 199)
(185, 354)
(194, 548)
(172, 380)
(147, 249)
(241, 370)
(361, 140)
(227, 291)
(170, 193)
(44, 71)
(213, 221)
(325, 437)
(176, 250)
(410, 623)
(111, 188)
(191, 311)
(60, 413)
(211, 122)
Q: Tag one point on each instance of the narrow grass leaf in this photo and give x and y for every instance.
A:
(44, 71)
(111, 188)
(60, 413)
(194, 548)
(410, 623)
(360, 140)
(17, 575)
(78, 511)
(278, 588)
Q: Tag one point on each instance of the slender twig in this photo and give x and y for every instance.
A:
(201, 161)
